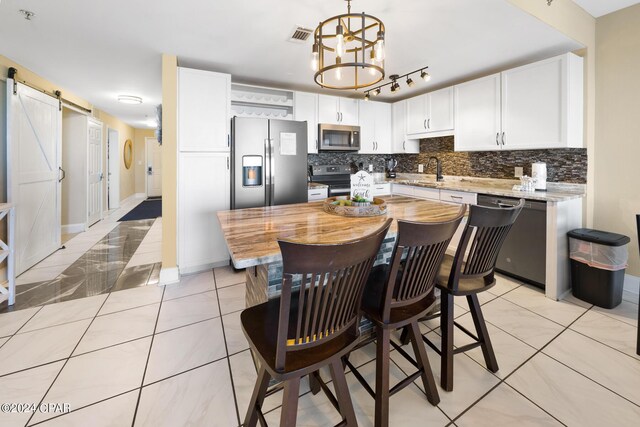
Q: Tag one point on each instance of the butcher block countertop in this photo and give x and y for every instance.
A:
(252, 234)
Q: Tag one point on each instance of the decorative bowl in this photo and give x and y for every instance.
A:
(375, 208)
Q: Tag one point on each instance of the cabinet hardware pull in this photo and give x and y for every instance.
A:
(497, 136)
(227, 163)
(428, 123)
(228, 140)
(503, 138)
(404, 145)
(425, 123)
(456, 197)
(337, 117)
(316, 194)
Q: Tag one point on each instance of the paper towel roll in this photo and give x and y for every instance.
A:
(539, 172)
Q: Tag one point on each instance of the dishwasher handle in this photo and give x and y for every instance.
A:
(507, 203)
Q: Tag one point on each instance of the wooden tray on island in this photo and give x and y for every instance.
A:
(375, 208)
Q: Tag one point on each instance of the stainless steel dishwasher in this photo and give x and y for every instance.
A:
(524, 252)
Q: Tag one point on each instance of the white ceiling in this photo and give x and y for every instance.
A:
(599, 8)
(100, 49)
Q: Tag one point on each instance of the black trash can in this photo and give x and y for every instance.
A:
(598, 263)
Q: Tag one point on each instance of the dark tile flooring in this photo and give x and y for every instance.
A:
(100, 270)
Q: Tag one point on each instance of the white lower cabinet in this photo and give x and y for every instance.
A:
(427, 193)
(315, 194)
(203, 189)
(381, 189)
(458, 197)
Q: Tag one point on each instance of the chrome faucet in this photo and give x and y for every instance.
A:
(439, 177)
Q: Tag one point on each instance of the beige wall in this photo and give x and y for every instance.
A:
(169, 160)
(617, 171)
(139, 147)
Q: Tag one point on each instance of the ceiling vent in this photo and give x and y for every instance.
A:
(300, 34)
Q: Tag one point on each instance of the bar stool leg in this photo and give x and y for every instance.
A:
(423, 364)
(342, 393)
(289, 411)
(259, 393)
(383, 349)
(483, 333)
(314, 384)
(446, 328)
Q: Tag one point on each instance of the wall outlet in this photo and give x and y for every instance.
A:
(370, 168)
(420, 168)
(518, 172)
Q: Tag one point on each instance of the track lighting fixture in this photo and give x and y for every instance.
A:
(394, 85)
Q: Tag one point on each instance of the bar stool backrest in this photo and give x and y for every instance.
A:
(331, 279)
(481, 241)
(416, 260)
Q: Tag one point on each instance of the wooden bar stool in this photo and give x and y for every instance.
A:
(468, 273)
(313, 323)
(398, 295)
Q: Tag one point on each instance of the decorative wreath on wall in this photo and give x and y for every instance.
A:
(128, 153)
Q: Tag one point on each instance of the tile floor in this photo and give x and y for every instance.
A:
(176, 356)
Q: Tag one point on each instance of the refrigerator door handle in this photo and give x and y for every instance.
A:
(272, 170)
(267, 173)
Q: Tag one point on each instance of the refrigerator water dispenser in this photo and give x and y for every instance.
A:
(251, 171)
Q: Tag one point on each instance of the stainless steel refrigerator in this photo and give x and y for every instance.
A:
(268, 162)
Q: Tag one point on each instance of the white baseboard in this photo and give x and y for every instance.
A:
(203, 267)
(140, 195)
(169, 276)
(73, 228)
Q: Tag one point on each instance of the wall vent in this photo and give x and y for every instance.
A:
(300, 34)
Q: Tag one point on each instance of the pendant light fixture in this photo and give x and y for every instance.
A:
(349, 51)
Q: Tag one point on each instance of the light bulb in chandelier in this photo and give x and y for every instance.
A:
(340, 41)
(379, 47)
(338, 69)
(314, 57)
(372, 61)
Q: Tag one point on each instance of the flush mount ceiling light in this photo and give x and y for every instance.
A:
(348, 51)
(27, 14)
(129, 99)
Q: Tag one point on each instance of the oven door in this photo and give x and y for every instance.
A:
(339, 137)
(339, 190)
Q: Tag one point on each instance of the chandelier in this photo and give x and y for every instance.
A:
(348, 51)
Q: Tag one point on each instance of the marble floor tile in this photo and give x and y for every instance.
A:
(201, 397)
(533, 299)
(133, 277)
(589, 357)
(313, 410)
(504, 284)
(65, 312)
(504, 406)
(118, 327)
(117, 411)
(154, 277)
(510, 351)
(185, 348)
(35, 348)
(236, 340)
(26, 387)
(190, 284)
(11, 322)
(183, 311)
(471, 380)
(570, 397)
(99, 375)
(59, 258)
(609, 331)
(529, 327)
(226, 276)
(232, 298)
(146, 258)
(131, 298)
(40, 274)
(626, 312)
(408, 407)
(3, 340)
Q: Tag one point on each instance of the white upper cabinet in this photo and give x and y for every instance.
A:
(204, 100)
(337, 111)
(306, 109)
(399, 142)
(537, 102)
(477, 111)
(375, 127)
(431, 114)
(536, 106)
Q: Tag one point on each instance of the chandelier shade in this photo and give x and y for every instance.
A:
(348, 51)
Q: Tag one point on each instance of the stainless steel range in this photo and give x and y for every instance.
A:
(338, 178)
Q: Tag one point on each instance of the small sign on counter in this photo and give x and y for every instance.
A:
(361, 185)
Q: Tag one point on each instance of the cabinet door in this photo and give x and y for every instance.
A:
(306, 109)
(534, 105)
(440, 110)
(383, 127)
(328, 112)
(203, 190)
(368, 127)
(399, 126)
(417, 115)
(204, 103)
(349, 112)
(477, 112)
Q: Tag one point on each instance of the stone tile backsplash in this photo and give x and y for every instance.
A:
(563, 165)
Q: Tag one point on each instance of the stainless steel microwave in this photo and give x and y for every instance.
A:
(338, 137)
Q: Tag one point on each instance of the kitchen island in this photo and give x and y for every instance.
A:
(252, 235)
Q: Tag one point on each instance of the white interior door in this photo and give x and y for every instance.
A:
(33, 173)
(94, 169)
(154, 168)
(113, 159)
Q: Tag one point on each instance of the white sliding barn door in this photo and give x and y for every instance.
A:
(33, 172)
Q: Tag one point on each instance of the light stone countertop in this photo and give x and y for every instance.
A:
(312, 185)
(556, 192)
